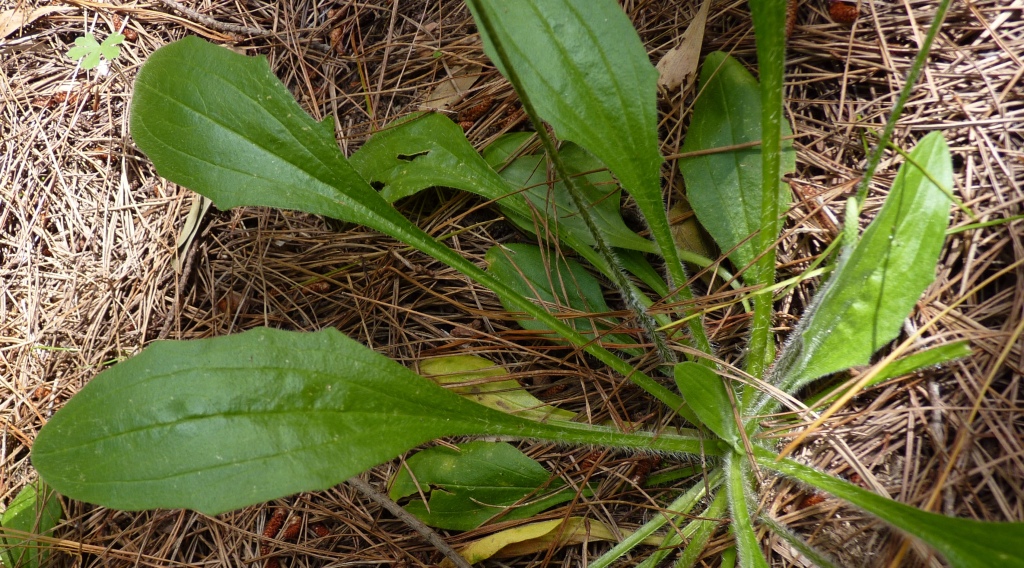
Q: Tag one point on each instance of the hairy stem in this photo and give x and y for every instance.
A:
(769, 24)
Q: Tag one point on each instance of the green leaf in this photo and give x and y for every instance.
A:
(84, 46)
(705, 393)
(586, 71)
(221, 124)
(505, 395)
(505, 148)
(427, 150)
(561, 285)
(934, 356)
(877, 283)
(217, 424)
(110, 47)
(480, 480)
(938, 355)
(965, 543)
(582, 67)
(35, 510)
(724, 188)
(530, 174)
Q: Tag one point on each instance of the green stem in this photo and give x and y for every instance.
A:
(705, 528)
(686, 442)
(737, 482)
(415, 237)
(897, 109)
(769, 23)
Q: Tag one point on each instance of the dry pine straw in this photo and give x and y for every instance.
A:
(87, 233)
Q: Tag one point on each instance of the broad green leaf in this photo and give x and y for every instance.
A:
(35, 510)
(965, 543)
(221, 124)
(427, 150)
(505, 395)
(507, 147)
(530, 174)
(724, 188)
(560, 284)
(705, 393)
(738, 488)
(480, 480)
(538, 537)
(877, 283)
(217, 424)
(584, 68)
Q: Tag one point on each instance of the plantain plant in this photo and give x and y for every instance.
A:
(221, 423)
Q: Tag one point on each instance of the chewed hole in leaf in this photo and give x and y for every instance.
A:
(411, 157)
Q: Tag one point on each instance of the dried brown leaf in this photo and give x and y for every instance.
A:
(679, 65)
(13, 20)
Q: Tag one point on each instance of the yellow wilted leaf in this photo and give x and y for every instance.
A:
(504, 395)
(536, 537)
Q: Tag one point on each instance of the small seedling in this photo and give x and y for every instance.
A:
(90, 52)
